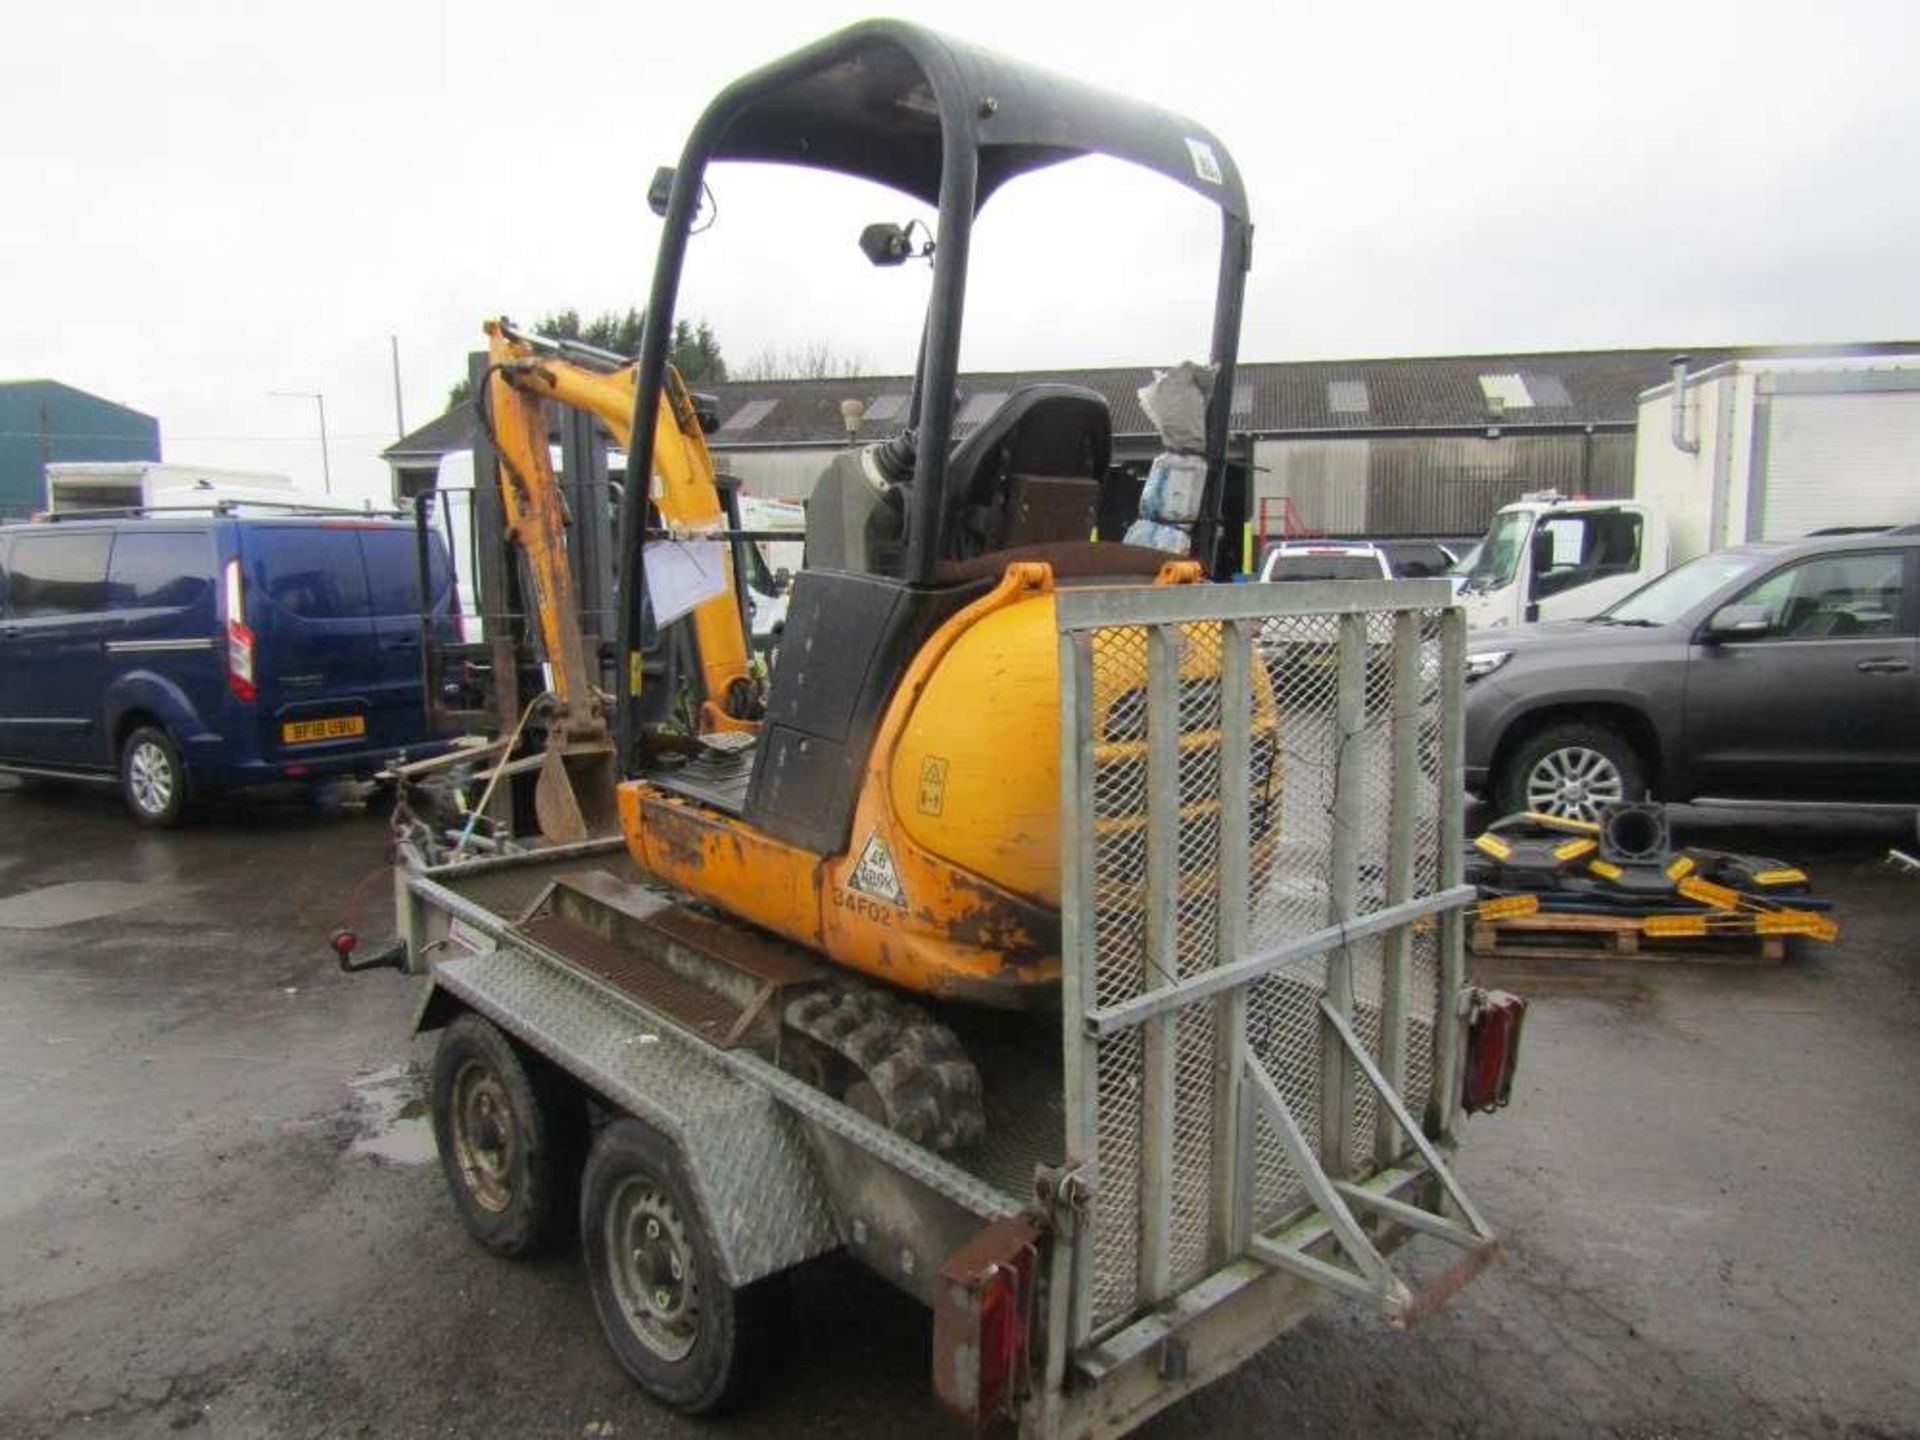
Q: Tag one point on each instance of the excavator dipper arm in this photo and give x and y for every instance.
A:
(681, 486)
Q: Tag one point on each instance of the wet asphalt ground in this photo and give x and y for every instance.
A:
(219, 1215)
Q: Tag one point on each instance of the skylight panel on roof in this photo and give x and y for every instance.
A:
(749, 415)
(1348, 397)
(1549, 391)
(980, 406)
(1242, 413)
(1505, 392)
(884, 408)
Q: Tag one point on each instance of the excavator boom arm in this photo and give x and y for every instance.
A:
(682, 490)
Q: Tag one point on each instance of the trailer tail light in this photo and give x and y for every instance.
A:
(1494, 1022)
(239, 638)
(982, 1322)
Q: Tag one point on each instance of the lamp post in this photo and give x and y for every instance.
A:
(326, 463)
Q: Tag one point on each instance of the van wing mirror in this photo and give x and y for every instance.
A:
(1740, 622)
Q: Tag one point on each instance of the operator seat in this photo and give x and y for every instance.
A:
(1030, 473)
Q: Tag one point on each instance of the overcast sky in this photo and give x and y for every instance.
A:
(206, 201)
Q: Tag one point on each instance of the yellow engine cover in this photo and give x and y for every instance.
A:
(975, 778)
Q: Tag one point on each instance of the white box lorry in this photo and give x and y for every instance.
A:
(77, 487)
(1767, 449)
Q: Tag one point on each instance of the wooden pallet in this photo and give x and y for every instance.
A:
(1605, 937)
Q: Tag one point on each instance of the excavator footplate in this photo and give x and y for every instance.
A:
(711, 1016)
(716, 778)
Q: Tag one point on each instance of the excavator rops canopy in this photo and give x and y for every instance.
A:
(884, 100)
(947, 123)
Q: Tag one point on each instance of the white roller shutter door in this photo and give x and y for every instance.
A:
(1840, 459)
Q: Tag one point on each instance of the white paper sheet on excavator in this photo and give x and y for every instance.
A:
(681, 574)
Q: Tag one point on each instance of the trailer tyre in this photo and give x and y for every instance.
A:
(510, 1132)
(692, 1340)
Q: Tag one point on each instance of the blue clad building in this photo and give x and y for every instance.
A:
(43, 421)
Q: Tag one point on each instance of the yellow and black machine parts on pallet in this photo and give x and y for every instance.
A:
(1557, 888)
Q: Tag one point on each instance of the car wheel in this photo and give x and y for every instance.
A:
(153, 781)
(1571, 770)
(691, 1339)
(510, 1138)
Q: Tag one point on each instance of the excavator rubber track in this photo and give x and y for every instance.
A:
(914, 1077)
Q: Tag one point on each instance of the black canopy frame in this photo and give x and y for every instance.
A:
(947, 123)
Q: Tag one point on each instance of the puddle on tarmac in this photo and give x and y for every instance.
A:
(48, 907)
(390, 1106)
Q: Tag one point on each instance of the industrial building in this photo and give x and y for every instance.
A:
(1408, 446)
(42, 421)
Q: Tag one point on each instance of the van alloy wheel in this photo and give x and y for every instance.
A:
(153, 779)
(150, 776)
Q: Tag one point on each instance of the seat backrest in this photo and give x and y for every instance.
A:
(1059, 432)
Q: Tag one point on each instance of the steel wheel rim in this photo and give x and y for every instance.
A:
(650, 1260)
(150, 776)
(486, 1142)
(1575, 781)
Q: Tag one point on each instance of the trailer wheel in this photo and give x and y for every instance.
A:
(510, 1135)
(688, 1337)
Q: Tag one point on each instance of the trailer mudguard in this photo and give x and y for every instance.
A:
(746, 1161)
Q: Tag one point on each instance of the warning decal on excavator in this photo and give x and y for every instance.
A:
(933, 785)
(875, 875)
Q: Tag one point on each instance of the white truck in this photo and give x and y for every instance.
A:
(1769, 449)
(1549, 558)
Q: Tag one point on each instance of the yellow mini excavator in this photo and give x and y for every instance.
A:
(890, 798)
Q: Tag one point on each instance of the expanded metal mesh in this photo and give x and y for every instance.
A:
(1319, 782)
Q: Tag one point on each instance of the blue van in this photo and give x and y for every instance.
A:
(185, 657)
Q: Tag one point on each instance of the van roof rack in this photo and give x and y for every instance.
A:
(226, 509)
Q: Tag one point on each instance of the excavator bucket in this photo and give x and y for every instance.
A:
(573, 798)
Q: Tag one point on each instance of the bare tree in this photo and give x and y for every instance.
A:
(806, 362)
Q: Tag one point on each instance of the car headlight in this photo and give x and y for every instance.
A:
(1485, 663)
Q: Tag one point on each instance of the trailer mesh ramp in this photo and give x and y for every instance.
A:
(1261, 795)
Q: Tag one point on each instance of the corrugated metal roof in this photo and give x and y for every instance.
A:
(977, 407)
(1597, 387)
(744, 417)
(1549, 392)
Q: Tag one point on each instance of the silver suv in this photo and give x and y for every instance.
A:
(1783, 671)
